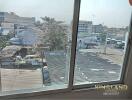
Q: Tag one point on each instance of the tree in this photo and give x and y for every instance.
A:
(103, 37)
(55, 32)
(4, 40)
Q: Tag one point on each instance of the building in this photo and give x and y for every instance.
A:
(98, 28)
(7, 55)
(26, 37)
(85, 27)
(8, 22)
(6, 17)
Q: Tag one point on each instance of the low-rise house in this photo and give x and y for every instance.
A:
(8, 53)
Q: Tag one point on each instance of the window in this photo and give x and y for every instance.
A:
(40, 50)
(101, 49)
(35, 44)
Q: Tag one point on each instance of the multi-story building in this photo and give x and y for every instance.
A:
(13, 18)
(8, 21)
(85, 27)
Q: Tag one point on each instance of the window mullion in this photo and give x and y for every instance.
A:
(74, 41)
(0, 77)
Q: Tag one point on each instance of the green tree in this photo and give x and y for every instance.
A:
(103, 37)
(55, 32)
(4, 40)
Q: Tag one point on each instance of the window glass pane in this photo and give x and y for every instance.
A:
(34, 44)
(102, 40)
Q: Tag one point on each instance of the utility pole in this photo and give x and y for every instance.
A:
(0, 77)
(105, 46)
(42, 57)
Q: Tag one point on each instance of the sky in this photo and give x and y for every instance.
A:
(112, 13)
(58, 9)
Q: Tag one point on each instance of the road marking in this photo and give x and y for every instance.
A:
(93, 69)
(38, 69)
(61, 77)
(82, 73)
(111, 72)
(91, 61)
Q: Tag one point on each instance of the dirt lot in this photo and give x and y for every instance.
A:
(15, 79)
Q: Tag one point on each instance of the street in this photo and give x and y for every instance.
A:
(90, 68)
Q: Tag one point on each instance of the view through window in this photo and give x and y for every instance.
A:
(102, 40)
(35, 39)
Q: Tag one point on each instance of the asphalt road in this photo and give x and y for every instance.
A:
(89, 68)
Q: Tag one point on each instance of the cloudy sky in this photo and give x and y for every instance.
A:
(113, 13)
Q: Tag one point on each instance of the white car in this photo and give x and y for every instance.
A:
(34, 59)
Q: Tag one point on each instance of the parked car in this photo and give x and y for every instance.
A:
(120, 45)
(35, 60)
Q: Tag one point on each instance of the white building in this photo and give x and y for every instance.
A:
(85, 27)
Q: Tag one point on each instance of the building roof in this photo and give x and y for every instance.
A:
(9, 51)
